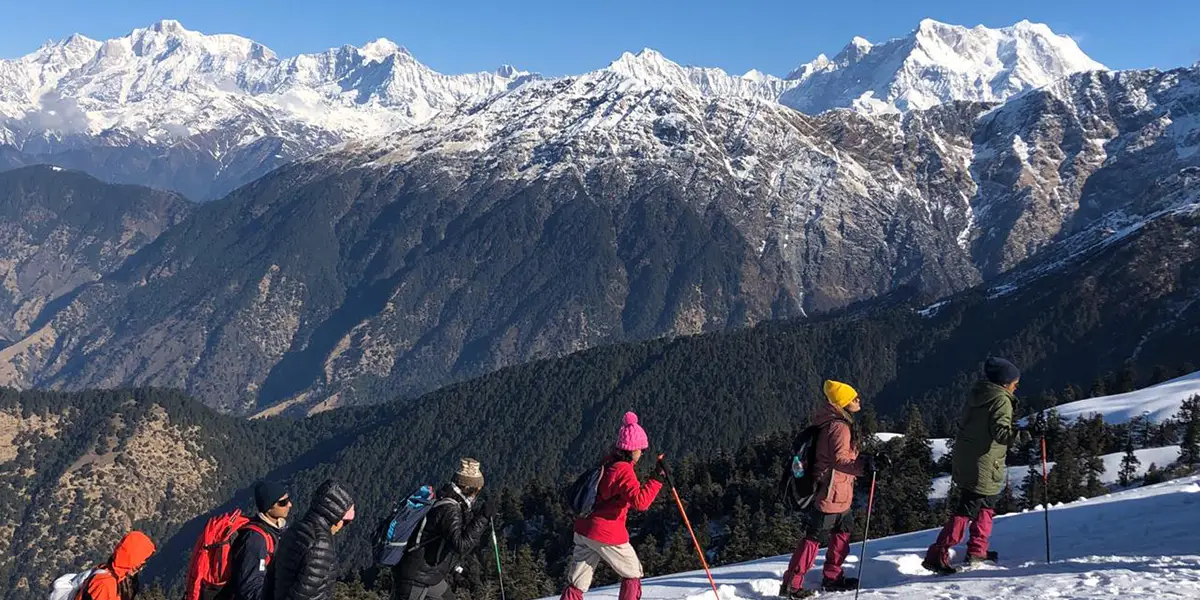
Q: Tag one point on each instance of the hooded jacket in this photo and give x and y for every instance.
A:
(984, 434)
(451, 531)
(130, 554)
(305, 566)
(838, 462)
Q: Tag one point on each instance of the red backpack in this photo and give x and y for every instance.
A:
(208, 569)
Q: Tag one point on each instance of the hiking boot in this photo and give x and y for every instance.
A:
(992, 557)
(841, 584)
(784, 592)
(938, 568)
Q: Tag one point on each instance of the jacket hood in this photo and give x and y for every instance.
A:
(330, 503)
(131, 553)
(827, 413)
(986, 392)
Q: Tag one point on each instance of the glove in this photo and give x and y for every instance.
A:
(660, 470)
(489, 509)
(877, 462)
(1023, 436)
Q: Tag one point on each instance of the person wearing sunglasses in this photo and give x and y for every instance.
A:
(254, 546)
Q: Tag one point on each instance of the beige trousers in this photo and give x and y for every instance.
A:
(587, 556)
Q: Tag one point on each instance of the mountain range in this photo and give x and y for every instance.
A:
(203, 114)
(554, 215)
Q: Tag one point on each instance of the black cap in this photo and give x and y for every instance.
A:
(267, 493)
(1000, 371)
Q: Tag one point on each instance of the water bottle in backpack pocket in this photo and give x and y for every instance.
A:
(393, 534)
(68, 586)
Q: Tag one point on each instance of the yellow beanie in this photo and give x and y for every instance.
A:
(839, 394)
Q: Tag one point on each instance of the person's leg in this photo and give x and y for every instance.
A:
(819, 528)
(580, 570)
(404, 590)
(437, 592)
(981, 527)
(625, 563)
(839, 547)
(952, 532)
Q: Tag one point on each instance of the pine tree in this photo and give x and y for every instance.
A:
(1126, 379)
(1189, 419)
(1066, 478)
(1093, 441)
(1099, 388)
(1129, 466)
(738, 545)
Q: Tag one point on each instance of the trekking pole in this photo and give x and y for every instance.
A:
(862, 557)
(496, 549)
(1046, 497)
(688, 524)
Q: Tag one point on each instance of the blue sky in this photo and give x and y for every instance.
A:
(572, 36)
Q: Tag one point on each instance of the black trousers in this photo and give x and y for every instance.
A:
(969, 504)
(405, 590)
(819, 526)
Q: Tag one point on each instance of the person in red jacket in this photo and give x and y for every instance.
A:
(602, 536)
(118, 579)
(830, 520)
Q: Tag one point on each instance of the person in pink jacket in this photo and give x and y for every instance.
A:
(602, 535)
(830, 520)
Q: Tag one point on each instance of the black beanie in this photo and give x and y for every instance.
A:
(1000, 371)
(267, 493)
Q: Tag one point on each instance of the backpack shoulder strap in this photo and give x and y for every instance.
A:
(267, 537)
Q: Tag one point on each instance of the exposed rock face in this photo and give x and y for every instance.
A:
(584, 211)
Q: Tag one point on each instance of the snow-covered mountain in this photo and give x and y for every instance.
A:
(1136, 544)
(223, 105)
(935, 64)
(169, 107)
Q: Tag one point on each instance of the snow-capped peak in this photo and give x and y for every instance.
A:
(380, 49)
(938, 63)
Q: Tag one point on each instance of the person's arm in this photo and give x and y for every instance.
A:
(844, 457)
(1000, 422)
(248, 559)
(639, 495)
(460, 537)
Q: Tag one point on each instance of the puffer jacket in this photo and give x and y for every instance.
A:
(984, 434)
(305, 566)
(838, 462)
(451, 531)
(130, 554)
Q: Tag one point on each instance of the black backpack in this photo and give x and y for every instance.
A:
(581, 495)
(798, 488)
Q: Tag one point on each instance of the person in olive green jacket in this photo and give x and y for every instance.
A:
(985, 432)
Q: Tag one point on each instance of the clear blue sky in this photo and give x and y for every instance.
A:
(558, 37)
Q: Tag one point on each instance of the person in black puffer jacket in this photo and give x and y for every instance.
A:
(452, 529)
(305, 565)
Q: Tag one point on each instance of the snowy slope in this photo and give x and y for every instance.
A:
(1135, 544)
(1112, 465)
(1158, 403)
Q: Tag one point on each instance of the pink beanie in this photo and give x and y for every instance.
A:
(632, 436)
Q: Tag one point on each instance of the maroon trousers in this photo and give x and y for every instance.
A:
(974, 513)
(831, 529)
(631, 589)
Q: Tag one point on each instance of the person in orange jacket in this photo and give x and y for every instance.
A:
(118, 578)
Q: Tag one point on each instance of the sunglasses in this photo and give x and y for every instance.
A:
(283, 502)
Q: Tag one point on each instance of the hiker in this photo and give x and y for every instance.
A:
(984, 434)
(452, 529)
(602, 535)
(830, 520)
(253, 549)
(305, 565)
(118, 578)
